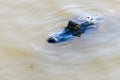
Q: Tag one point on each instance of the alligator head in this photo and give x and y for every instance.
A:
(73, 28)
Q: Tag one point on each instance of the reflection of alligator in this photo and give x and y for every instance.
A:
(74, 28)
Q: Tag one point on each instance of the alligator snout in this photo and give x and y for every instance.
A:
(60, 36)
(52, 40)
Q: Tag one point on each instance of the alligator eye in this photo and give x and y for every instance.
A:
(77, 26)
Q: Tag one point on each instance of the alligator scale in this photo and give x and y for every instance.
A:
(75, 27)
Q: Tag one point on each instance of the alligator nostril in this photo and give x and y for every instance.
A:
(51, 40)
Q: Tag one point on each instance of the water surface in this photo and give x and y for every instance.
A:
(26, 55)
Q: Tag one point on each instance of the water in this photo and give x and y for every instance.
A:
(26, 55)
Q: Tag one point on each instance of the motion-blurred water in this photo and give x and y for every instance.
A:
(26, 55)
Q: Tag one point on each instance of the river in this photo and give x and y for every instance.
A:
(26, 55)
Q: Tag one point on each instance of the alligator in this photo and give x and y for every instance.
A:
(75, 27)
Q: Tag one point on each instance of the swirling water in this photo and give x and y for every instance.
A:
(26, 55)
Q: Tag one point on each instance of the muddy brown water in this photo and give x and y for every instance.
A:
(26, 55)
